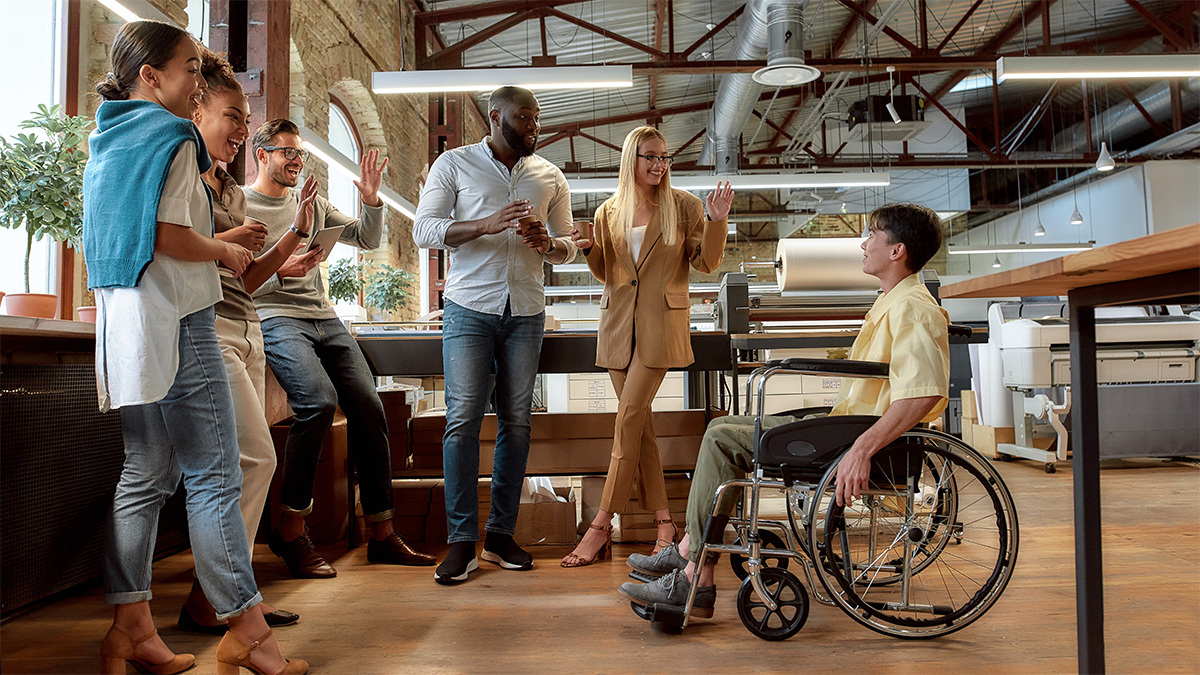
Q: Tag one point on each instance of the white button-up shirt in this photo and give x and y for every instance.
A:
(469, 183)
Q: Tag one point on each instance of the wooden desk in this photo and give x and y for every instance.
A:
(1162, 268)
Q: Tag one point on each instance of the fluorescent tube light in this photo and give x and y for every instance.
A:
(487, 79)
(1157, 66)
(764, 181)
(953, 249)
(137, 10)
(337, 161)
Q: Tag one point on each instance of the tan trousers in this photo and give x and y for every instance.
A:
(246, 365)
(635, 450)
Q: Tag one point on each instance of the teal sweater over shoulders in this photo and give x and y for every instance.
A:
(131, 149)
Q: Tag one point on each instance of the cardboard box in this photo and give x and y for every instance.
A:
(969, 410)
(547, 523)
(985, 439)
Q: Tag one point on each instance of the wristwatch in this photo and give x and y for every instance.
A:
(298, 231)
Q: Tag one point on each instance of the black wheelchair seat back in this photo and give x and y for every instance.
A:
(807, 447)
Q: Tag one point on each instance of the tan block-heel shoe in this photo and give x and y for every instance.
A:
(660, 544)
(233, 654)
(118, 648)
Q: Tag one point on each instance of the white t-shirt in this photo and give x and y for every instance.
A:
(137, 329)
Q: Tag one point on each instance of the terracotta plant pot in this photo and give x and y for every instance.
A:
(36, 305)
(87, 314)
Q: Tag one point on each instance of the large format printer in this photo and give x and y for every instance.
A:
(1149, 395)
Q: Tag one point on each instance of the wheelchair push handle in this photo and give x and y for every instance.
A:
(870, 369)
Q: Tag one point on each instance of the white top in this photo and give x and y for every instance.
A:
(137, 329)
(638, 234)
(469, 183)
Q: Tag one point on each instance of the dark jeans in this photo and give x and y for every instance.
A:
(473, 343)
(320, 367)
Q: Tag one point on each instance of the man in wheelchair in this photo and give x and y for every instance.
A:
(905, 328)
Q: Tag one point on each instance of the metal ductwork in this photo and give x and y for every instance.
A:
(770, 28)
(1123, 120)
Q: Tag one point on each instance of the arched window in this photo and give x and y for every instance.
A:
(342, 192)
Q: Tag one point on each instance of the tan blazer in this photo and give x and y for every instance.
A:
(648, 297)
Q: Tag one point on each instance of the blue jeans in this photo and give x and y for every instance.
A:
(320, 367)
(191, 432)
(473, 343)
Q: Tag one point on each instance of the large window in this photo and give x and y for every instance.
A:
(342, 192)
(31, 35)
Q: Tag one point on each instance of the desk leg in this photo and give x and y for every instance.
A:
(1085, 444)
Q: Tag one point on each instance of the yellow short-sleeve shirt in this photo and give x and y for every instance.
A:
(906, 329)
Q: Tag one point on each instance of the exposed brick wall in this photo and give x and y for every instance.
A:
(337, 45)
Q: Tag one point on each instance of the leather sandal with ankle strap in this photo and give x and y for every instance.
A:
(233, 655)
(118, 648)
(575, 560)
(660, 544)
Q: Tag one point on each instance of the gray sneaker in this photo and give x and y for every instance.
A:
(672, 589)
(667, 560)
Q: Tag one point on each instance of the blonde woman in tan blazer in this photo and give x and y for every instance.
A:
(645, 239)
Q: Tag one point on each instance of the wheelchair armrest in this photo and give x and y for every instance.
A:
(958, 330)
(843, 367)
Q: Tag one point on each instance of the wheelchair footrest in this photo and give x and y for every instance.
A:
(666, 617)
(642, 577)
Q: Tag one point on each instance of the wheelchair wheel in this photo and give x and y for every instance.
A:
(769, 540)
(791, 605)
(929, 547)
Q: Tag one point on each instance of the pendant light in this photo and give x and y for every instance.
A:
(1105, 161)
(996, 261)
(1040, 230)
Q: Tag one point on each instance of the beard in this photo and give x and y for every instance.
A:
(279, 174)
(516, 140)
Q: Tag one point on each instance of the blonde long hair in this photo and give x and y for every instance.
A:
(625, 202)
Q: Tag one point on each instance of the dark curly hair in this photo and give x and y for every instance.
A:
(217, 72)
(138, 43)
(917, 227)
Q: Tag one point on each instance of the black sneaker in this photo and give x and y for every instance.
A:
(459, 562)
(503, 551)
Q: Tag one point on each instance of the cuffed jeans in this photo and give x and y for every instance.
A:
(245, 365)
(473, 343)
(320, 367)
(190, 432)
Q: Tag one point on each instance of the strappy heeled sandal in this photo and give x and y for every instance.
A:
(575, 560)
(660, 544)
(233, 654)
(118, 648)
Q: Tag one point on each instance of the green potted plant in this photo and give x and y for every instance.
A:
(41, 190)
(387, 288)
(345, 280)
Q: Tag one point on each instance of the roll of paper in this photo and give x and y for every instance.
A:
(829, 264)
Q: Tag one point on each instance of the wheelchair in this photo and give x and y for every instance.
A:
(927, 549)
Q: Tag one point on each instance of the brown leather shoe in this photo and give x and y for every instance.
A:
(396, 551)
(301, 557)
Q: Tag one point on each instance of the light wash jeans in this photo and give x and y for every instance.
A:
(246, 367)
(472, 344)
(190, 432)
(321, 367)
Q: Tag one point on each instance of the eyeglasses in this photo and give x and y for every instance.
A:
(655, 159)
(289, 153)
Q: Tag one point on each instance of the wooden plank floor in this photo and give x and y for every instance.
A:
(374, 619)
